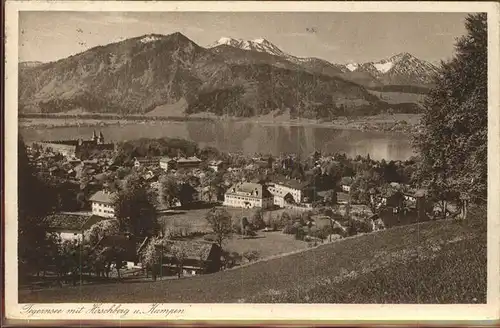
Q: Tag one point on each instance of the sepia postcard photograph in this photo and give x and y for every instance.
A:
(252, 161)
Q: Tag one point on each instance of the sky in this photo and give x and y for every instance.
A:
(335, 36)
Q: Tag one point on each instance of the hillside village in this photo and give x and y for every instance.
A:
(314, 200)
(171, 220)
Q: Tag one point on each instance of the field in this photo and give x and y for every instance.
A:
(265, 243)
(399, 97)
(158, 115)
(431, 262)
(193, 220)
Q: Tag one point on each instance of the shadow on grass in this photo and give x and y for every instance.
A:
(252, 237)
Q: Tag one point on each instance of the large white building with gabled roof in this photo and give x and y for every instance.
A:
(248, 195)
(102, 204)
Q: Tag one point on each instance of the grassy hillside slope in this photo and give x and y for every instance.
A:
(431, 262)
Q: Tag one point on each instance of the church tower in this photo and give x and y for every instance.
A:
(100, 141)
(94, 137)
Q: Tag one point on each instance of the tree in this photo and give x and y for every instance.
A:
(244, 225)
(220, 222)
(135, 209)
(169, 190)
(251, 256)
(452, 142)
(330, 198)
(257, 219)
(211, 183)
(186, 194)
(180, 255)
(35, 201)
(364, 185)
(101, 229)
(152, 255)
(68, 260)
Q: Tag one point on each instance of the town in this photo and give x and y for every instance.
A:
(263, 181)
(179, 210)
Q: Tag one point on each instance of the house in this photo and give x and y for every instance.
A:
(102, 204)
(392, 198)
(261, 163)
(150, 176)
(146, 161)
(199, 257)
(412, 196)
(248, 195)
(168, 163)
(71, 226)
(206, 194)
(345, 183)
(215, 165)
(73, 161)
(235, 169)
(93, 163)
(289, 191)
(56, 171)
(358, 210)
(188, 163)
(281, 197)
(125, 245)
(66, 149)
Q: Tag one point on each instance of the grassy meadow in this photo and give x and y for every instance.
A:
(432, 262)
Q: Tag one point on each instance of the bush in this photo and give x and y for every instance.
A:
(236, 224)
(243, 226)
(292, 227)
(250, 231)
(210, 237)
(355, 226)
(275, 224)
(289, 229)
(322, 233)
(231, 259)
(300, 234)
(257, 220)
(251, 256)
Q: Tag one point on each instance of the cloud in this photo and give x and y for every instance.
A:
(330, 46)
(443, 34)
(295, 34)
(105, 19)
(192, 29)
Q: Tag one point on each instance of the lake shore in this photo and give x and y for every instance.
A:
(402, 123)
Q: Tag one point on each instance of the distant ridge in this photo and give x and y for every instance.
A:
(172, 75)
(399, 69)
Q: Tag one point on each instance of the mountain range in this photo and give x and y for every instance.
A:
(230, 77)
(400, 69)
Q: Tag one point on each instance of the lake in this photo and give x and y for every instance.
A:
(246, 137)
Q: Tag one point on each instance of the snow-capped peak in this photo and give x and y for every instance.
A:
(259, 44)
(227, 41)
(384, 67)
(352, 66)
(149, 38)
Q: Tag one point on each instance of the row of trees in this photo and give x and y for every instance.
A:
(452, 143)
